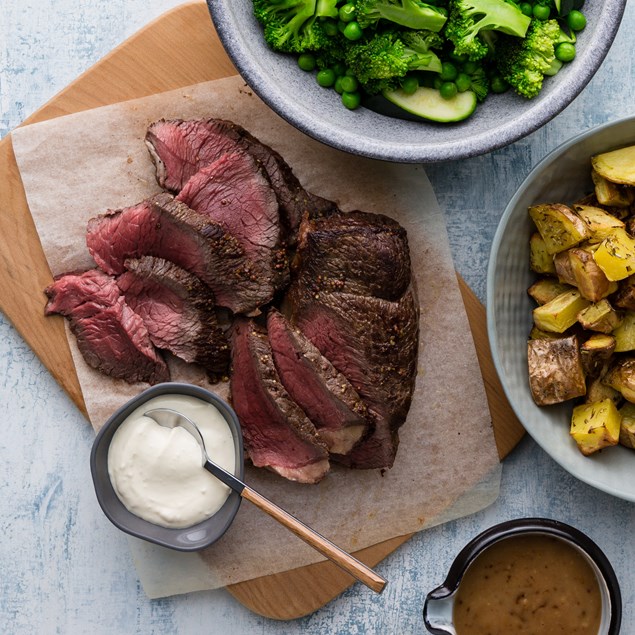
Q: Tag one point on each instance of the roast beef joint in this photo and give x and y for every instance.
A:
(311, 313)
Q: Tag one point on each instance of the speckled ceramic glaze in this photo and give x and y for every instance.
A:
(296, 97)
(562, 176)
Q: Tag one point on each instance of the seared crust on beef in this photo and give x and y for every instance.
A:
(358, 252)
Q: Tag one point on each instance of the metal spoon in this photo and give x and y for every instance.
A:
(171, 418)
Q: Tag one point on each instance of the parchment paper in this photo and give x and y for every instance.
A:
(447, 466)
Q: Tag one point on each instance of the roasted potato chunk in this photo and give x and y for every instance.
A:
(616, 255)
(599, 221)
(555, 370)
(627, 426)
(559, 314)
(559, 226)
(624, 334)
(600, 317)
(540, 260)
(617, 166)
(609, 193)
(546, 289)
(589, 278)
(595, 354)
(621, 376)
(624, 297)
(564, 268)
(597, 390)
(595, 426)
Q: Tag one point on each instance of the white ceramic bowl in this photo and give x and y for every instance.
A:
(563, 176)
(502, 119)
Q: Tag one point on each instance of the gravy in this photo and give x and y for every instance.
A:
(529, 584)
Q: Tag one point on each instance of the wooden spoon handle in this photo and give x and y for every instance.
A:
(340, 557)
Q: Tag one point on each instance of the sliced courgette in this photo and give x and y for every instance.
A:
(427, 103)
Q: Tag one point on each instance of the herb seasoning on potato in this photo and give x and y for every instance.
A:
(582, 344)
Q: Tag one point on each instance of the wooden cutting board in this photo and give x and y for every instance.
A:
(178, 49)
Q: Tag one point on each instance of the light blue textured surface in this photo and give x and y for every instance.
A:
(65, 569)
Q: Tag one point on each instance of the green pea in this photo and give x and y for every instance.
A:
(448, 72)
(576, 20)
(306, 62)
(353, 31)
(526, 8)
(347, 12)
(349, 84)
(498, 84)
(470, 67)
(448, 90)
(565, 52)
(437, 82)
(463, 82)
(326, 77)
(338, 85)
(351, 100)
(410, 84)
(541, 12)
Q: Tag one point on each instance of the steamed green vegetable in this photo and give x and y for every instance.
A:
(460, 50)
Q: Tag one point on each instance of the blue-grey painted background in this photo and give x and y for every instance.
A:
(64, 569)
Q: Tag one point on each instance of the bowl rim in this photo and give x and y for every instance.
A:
(504, 221)
(139, 527)
(524, 526)
(538, 113)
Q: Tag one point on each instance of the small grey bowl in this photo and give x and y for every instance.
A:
(502, 119)
(563, 176)
(191, 538)
(439, 603)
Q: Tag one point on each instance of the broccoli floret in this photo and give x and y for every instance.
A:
(412, 14)
(380, 63)
(524, 63)
(470, 20)
(479, 83)
(291, 26)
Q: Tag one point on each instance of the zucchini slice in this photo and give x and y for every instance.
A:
(427, 103)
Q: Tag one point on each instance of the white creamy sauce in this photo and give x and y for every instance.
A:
(157, 472)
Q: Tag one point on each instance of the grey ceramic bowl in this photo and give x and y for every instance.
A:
(192, 538)
(563, 176)
(502, 119)
(439, 603)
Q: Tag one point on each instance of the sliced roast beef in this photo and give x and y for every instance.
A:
(71, 290)
(373, 343)
(178, 311)
(358, 252)
(169, 229)
(233, 192)
(111, 337)
(325, 395)
(180, 148)
(277, 433)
